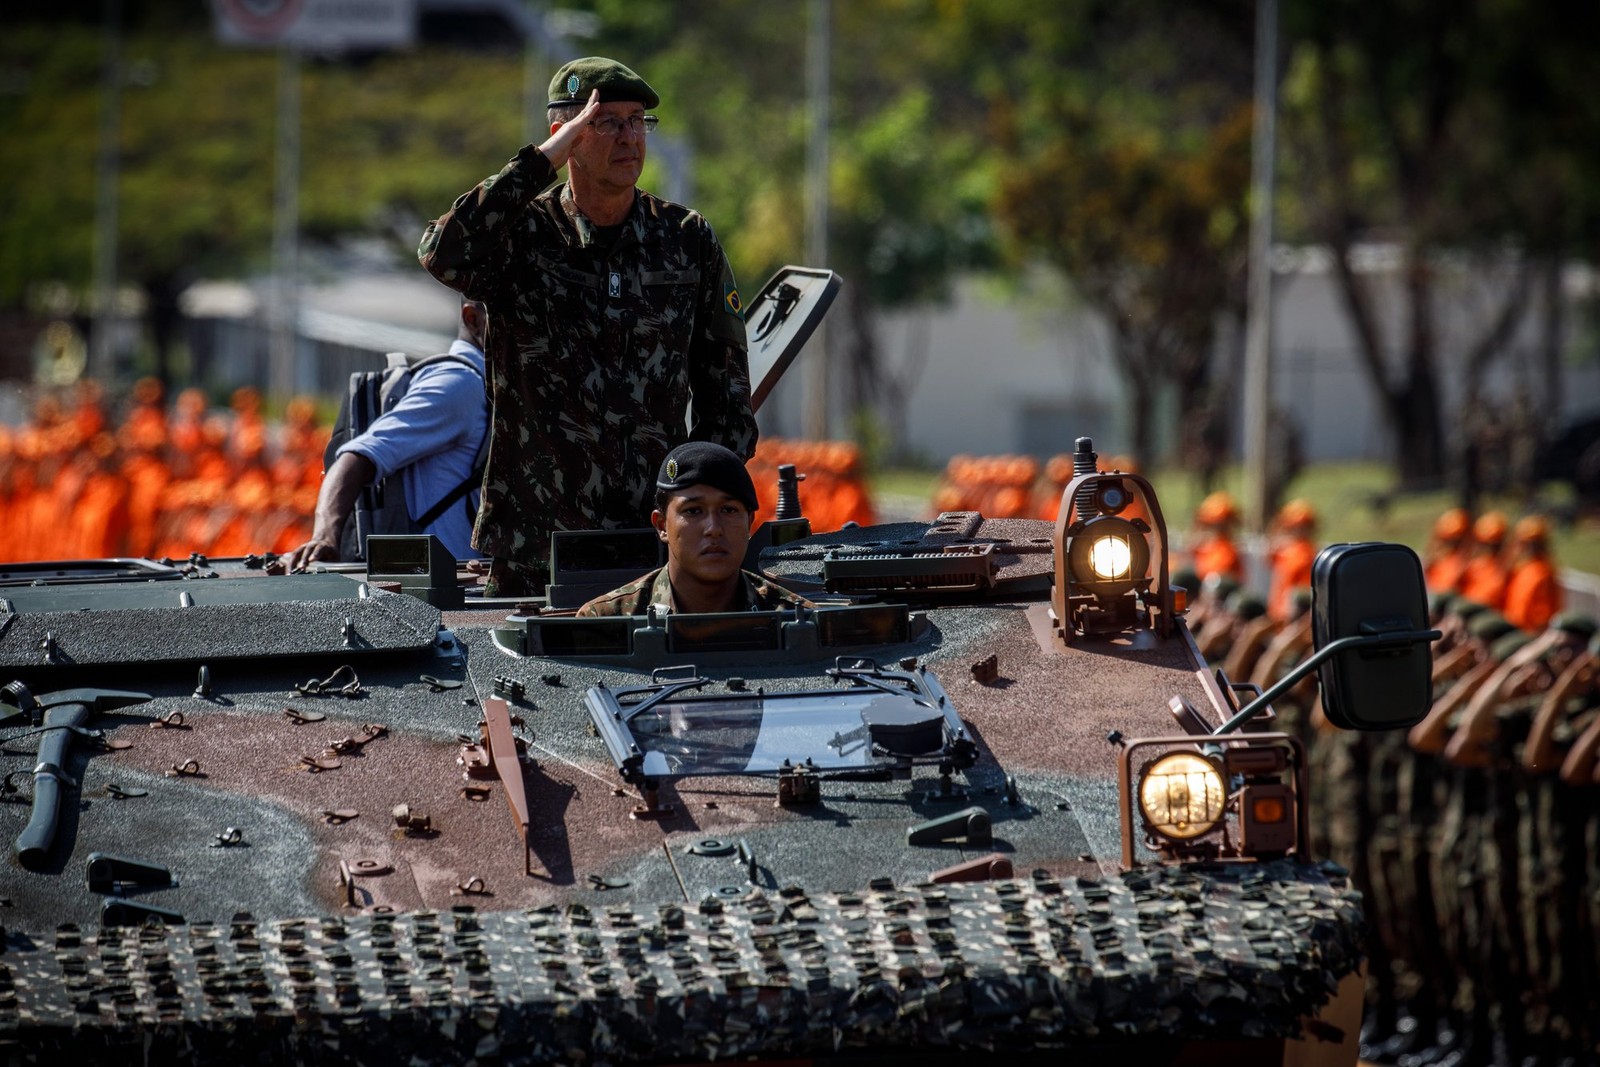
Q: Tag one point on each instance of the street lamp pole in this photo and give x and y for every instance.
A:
(818, 371)
(1258, 321)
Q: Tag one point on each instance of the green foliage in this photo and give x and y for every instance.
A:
(197, 159)
(1124, 163)
(49, 118)
(1110, 140)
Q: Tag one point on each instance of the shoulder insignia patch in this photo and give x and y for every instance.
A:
(730, 298)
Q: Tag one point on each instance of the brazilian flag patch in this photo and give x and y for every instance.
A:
(730, 298)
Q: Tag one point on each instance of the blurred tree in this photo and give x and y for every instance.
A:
(196, 172)
(1124, 131)
(48, 117)
(196, 155)
(1466, 129)
(909, 183)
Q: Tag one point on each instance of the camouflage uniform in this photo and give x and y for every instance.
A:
(635, 598)
(594, 352)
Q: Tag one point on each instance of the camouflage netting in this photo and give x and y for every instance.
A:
(1215, 952)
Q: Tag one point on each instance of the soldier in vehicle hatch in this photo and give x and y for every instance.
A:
(705, 504)
(608, 309)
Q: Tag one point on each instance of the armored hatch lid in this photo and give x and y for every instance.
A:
(780, 320)
(74, 571)
(50, 628)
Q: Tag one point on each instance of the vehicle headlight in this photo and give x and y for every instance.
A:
(1108, 555)
(1181, 796)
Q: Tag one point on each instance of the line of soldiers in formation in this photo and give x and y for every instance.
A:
(171, 482)
(1010, 486)
(834, 489)
(1475, 836)
(158, 483)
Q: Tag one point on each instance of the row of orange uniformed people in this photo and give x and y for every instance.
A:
(1493, 563)
(1010, 486)
(160, 483)
(1293, 550)
(833, 489)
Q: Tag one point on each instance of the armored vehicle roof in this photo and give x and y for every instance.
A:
(308, 802)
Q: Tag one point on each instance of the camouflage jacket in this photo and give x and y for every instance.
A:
(636, 597)
(593, 353)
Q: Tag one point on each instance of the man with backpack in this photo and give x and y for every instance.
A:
(427, 445)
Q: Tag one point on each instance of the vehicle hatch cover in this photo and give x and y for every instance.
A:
(781, 319)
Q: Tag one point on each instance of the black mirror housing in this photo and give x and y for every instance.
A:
(1368, 590)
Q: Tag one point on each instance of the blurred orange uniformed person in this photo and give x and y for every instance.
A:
(1449, 549)
(1057, 475)
(1215, 552)
(1292, 557)
(146, 419)
(1484, 579)
(852, 502)
(99, 527)
(1533, 594)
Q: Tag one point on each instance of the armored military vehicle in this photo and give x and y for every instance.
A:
(984, 796)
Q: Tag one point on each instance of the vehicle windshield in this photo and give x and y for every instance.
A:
(880, 720)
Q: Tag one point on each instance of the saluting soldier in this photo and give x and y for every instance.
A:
(609, 308)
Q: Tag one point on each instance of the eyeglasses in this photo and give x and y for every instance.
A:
(611, 126)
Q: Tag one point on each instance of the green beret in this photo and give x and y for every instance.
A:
(1440, 602)
(1575, 623)
(1186, 577)
(1462, 608)
(1507, 644)
(574, 82)
(1487, 626)
(705, 463)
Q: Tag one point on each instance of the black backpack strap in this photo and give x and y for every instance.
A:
(431, 516)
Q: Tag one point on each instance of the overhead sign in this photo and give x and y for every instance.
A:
(317, 24)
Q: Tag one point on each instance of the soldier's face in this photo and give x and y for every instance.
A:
(613, 159)
(706, 532)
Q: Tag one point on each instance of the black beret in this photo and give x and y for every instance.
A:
(576, 80)
(1489, 625)
(1220, 586)
(703, 463)
(1508, 644)
(1246, 604)
(1575, 623)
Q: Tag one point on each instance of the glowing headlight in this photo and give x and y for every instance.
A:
(1181, 796)
(1110, 557)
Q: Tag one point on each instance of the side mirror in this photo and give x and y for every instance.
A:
(1366, 592)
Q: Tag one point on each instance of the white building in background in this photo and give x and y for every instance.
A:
(1003, 371)
(1028, 375)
